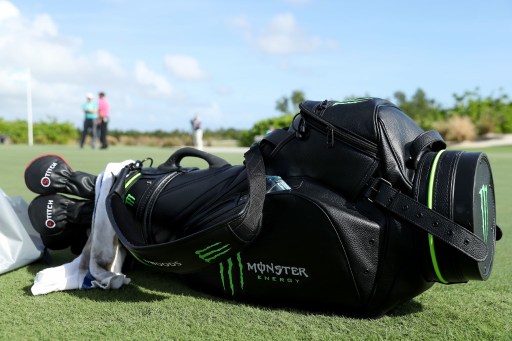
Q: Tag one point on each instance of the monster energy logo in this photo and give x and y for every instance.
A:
(485, 211)
(129, 200)
(229, 273)
(232, 273)
(213, 251)
(278, 270)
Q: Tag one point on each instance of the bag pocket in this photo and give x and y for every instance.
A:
(311, 253)
(319, 150)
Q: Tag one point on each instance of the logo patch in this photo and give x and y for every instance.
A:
(45, 180)
(49, 223)
(213, 251)
(485, 211)
(129, 200)
(231, 279)
(163, 265)
(233, 274)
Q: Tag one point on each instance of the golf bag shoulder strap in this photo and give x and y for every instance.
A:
(250, 227)
(382, 193)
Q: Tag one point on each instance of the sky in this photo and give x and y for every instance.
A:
(161, 62)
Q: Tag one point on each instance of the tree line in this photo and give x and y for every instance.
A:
(471, 115)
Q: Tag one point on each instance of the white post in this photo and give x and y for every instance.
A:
(29, 110)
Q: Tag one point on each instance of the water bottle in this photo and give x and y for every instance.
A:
(275, 184)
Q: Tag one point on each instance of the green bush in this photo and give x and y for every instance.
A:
(16, 131)
(423, 110)
(490, 114)
(261, 128)
(50, 132)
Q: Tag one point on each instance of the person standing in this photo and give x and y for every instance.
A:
(90, 109)
(197, 132)
(103, 116)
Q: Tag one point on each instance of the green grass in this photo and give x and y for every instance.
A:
(159, 306)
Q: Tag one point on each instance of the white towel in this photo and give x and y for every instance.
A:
(102, 258)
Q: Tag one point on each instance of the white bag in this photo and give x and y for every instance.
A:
(20, 244)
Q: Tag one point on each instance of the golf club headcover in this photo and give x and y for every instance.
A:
(51, 174)
(61, 221)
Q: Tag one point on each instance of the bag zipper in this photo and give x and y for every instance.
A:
(149, 202)
(332, 132)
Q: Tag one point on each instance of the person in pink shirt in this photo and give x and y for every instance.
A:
(103, 116)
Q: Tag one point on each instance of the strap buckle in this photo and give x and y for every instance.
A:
(373, 188)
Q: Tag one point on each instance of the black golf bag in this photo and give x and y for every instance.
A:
(372, 212)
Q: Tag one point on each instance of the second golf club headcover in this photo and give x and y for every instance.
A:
(61, 221)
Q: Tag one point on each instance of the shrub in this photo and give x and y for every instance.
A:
(50, 132)
(177, 141)
(456, 128)
(487, 122)
(112, 140)
(261, 128)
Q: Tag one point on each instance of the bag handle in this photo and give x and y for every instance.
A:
(174, 160)
(382, 193)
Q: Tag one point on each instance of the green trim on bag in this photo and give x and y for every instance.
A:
(429, 204)
(352, 101)
(138, 258)
(129, 183)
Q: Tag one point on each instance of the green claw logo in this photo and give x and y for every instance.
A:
(229, 272)
(485, 211)
(129, 200)
(213, 251)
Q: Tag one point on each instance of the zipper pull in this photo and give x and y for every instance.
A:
(321, 107)
(301, 132)
(137, 165)
(330, 137)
